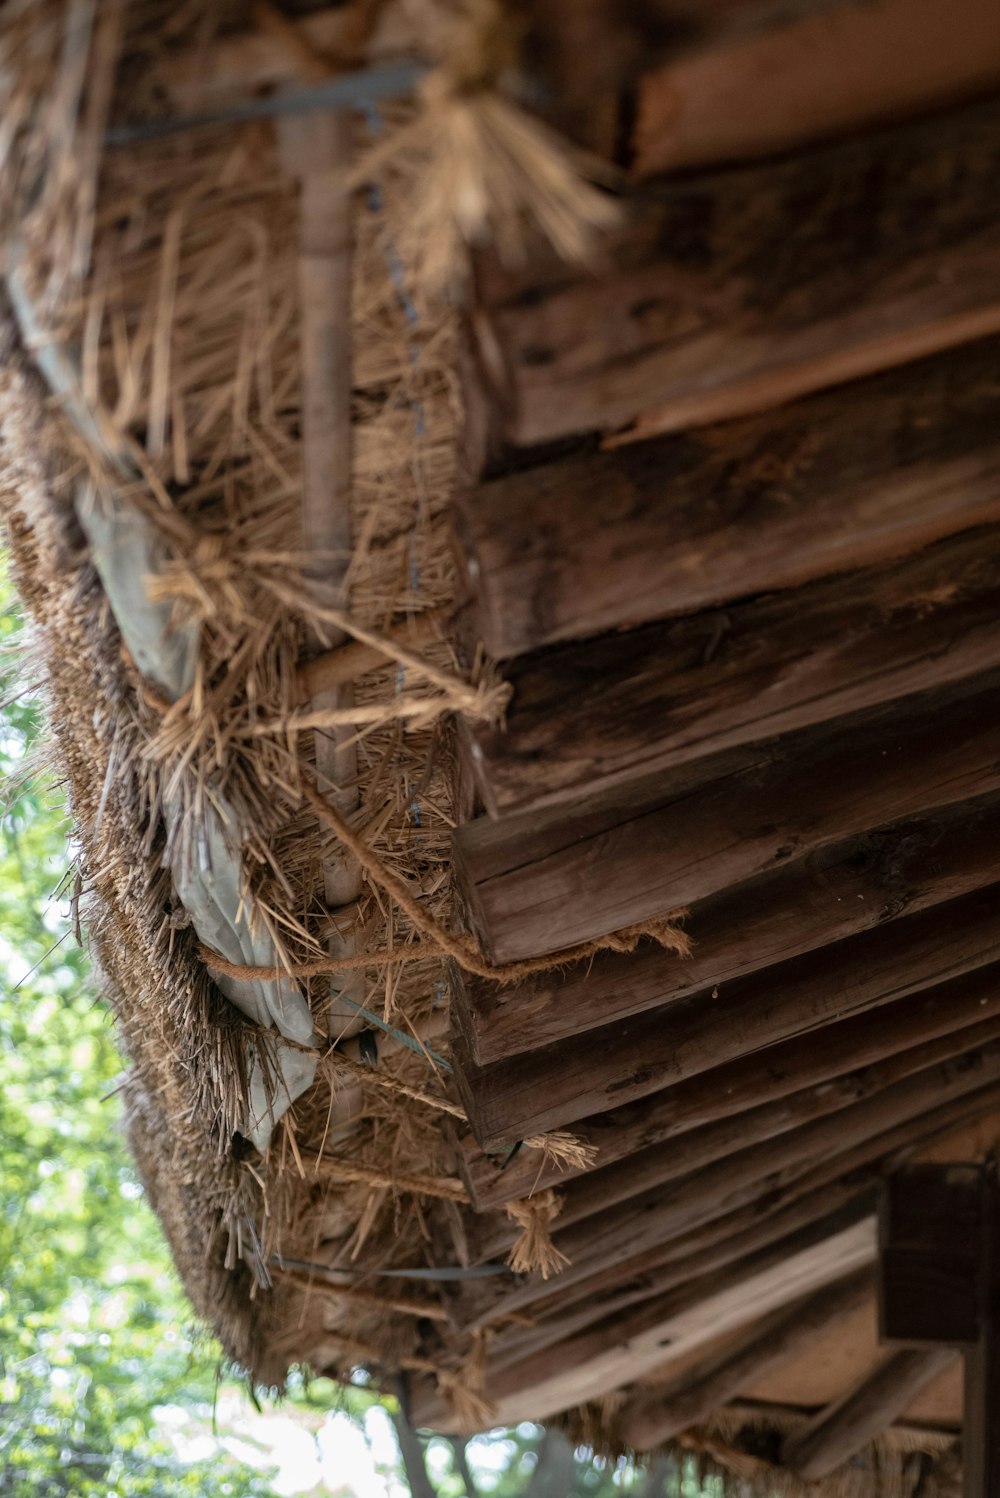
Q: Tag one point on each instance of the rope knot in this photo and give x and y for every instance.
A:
(534, 1252)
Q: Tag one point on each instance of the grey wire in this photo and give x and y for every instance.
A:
(474, 1272)
(365, 87)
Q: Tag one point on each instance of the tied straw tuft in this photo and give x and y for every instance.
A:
(534, 1252)
(482, 170)
(464, 1391)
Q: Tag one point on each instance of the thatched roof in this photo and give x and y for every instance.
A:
(250, 383)
(163, 436)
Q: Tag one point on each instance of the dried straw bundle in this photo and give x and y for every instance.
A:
(482, 170)
(152, 387)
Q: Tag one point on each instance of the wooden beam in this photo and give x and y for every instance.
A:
(736, 1237)
(612, 1213)
(604, 1358)
(623, 1348)
(607, 1068)
(654, 1417)
(540, 882)
(238, 64)
(591, 715)
(838, 1432)
(781, 1088)
(842, 1174)
(834, 893)
(853, 66)
(737, 291)
(846, 479)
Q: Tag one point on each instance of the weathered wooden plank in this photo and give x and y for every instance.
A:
(539, 882)
(590, 715)
(841, 1174)
(736, 291)
(981, 1434)
(738, 1236)
(837, 1433)
(613, 1213)
(659, 1414)
(834, 893)
(845, 479)
(856, 65)
(607, 1068)
(320, 152)
(780, 1088)
(603, 1358)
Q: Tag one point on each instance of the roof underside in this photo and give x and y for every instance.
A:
(563, 721)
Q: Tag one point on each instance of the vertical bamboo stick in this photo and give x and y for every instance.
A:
(318, 150)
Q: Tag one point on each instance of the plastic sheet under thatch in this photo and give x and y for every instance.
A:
(151, 380)
(264, 868)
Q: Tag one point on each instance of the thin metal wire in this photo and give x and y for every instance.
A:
(358, 90)
(473, 1272)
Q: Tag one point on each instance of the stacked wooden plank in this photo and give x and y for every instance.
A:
(734, 540)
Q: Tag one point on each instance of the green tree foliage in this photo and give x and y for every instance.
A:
(95, 1332)
(93, 1326)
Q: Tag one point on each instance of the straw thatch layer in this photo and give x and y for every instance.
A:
(159, 288)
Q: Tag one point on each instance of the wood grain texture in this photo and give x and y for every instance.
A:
(610, 1211)
(654, 1417)
(833, 893)
(607, 1068)
(595, 541)
(858, 64)
(839, 1176)
(836, 1434)
(737, 291)
(758, 1096)
(537, 883)
(592, 714)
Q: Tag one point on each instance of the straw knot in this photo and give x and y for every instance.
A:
(534, 1252)
(564, 1150)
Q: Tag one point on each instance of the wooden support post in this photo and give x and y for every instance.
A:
(654, 1417)
(838, 1432)
(740, 290)
(537, 883)
(634, 1058)
(592, 715)
(835, 893)
(930, 1226)
(981, 1438)
(939, 1284)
